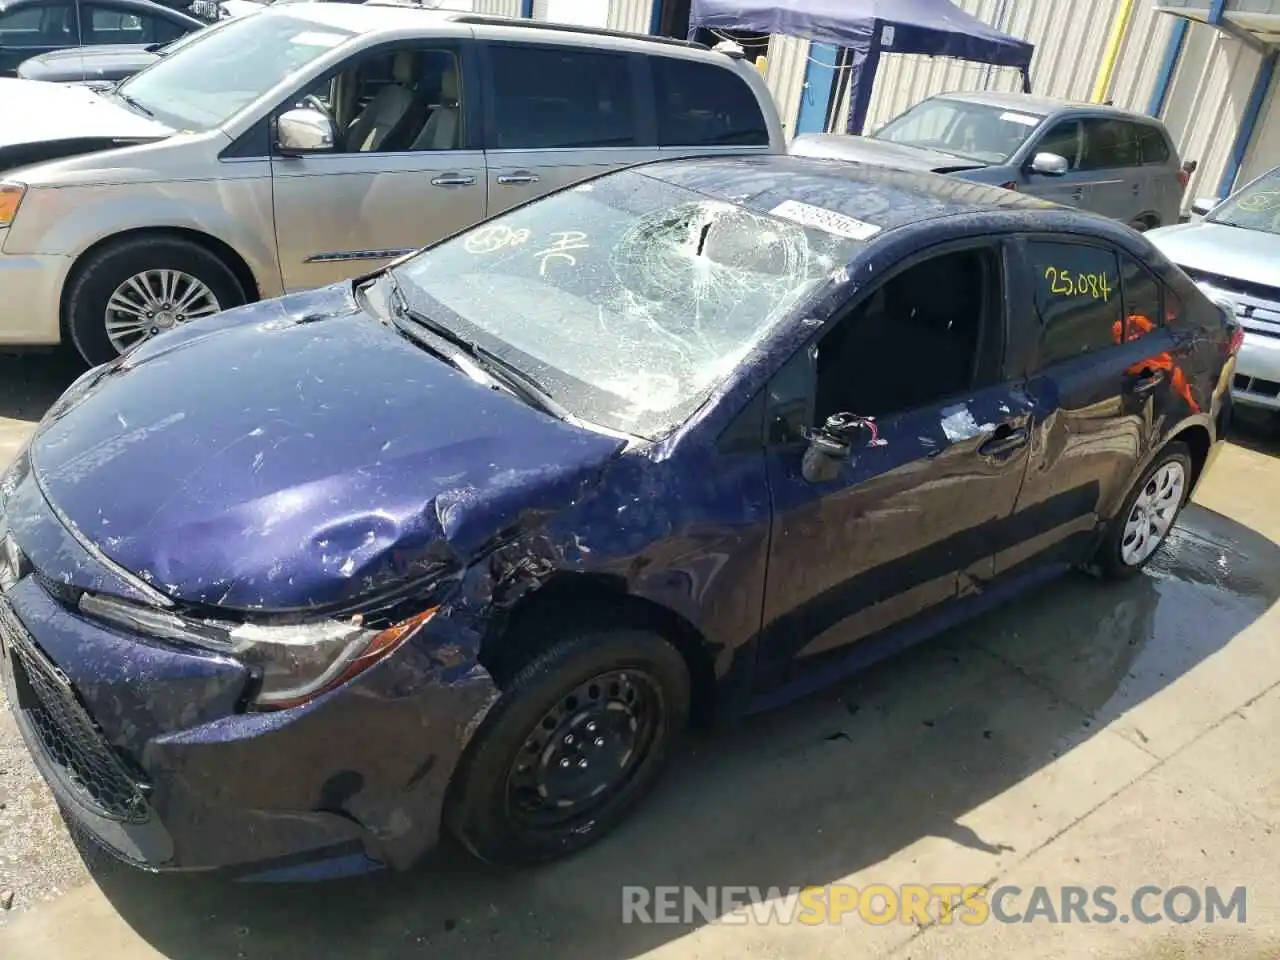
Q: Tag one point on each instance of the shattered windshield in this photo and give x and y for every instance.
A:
(971, 131)
(1255, 207)
(628, 299)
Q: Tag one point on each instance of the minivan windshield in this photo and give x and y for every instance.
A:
(204, 83)
(971, 131)
(627, 299)
(1255, 207)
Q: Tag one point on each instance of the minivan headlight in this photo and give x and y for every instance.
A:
(293, 663)
(11, 194)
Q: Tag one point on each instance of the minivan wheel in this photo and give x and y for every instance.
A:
(577, 738)
(1149, 513)
(134, 289)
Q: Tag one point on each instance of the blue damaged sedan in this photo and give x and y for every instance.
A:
(466, 543)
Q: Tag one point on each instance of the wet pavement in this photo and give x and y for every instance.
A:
(1089, 733)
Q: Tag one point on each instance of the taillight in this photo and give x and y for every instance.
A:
(1237, 340)
(1185, 172)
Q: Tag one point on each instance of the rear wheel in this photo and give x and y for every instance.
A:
(578, 737)
(1149, 513)
(136, 288)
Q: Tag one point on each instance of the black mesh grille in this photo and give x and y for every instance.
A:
(67, 733)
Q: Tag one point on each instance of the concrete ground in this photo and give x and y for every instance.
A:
(1089, 734)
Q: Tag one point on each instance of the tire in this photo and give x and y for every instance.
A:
(489, 800)
(1113, 559)
(105, 271)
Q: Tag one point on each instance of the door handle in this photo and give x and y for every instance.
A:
(1004, 442)
(452, 180)
(1146, 381)
(513, 178)
(1137, 189)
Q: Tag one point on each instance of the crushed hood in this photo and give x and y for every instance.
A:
(300, 453)
(841, 146)
(105, 62)
(44, 113)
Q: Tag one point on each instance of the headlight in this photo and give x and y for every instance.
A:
(11, 194)
(293, 664)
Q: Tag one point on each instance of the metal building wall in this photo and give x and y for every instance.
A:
(631, 15)
(1264, 152)
(498, 8)
(1207, 100)
(1070, 37)
(784, 75)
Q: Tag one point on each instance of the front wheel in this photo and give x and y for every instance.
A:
(578, 737)
(134, 289)
(1148, 514)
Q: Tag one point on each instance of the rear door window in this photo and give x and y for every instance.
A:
(1142, 298)
(547, 97)
(108, 24)
(1077, 299)
(47, 25)
(1152, 145)
(1109, 144)
(705, 105)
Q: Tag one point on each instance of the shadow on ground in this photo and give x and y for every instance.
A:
(807, 795)
(30, 382)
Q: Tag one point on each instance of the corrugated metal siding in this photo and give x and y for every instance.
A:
(498, 8)
(1264, 153)
(788, 57)
(632, 15)
(1070, 37)
(1208, 97)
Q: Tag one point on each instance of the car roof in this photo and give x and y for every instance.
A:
(1041, 106)
(384, 15)
(881, 196)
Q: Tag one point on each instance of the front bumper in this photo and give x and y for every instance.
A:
(32, 287)
(148, 748)
(1257, 379)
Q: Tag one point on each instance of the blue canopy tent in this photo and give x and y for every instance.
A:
(867, 28)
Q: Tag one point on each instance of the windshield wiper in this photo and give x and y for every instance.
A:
(499, 369)
(133, 103)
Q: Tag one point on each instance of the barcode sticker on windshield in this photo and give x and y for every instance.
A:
(821, 218)
(313, 38)
(1022, 118)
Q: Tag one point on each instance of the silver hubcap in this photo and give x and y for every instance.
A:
(1153, 513)
(154, 301)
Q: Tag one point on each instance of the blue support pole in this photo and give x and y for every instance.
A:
(1216, 8)
(655, 18)
(526, 9)
(1168, 64)
(1249, 122)
(819, 82)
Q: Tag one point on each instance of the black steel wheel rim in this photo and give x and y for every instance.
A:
(586, 748)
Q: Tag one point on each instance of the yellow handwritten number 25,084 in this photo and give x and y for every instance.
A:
(1065, 284)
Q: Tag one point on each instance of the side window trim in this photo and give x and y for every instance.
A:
(645, 122)
(462, 48)
(1127, 297)
(990, 354)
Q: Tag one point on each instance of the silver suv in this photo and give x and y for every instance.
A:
(312, 142)
(1098, 158)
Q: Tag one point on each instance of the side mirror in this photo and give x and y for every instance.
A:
(1050, 164)
(832, 444)
(304, 130)
(1202, 205)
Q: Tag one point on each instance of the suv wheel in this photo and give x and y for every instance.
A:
(131, 290)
